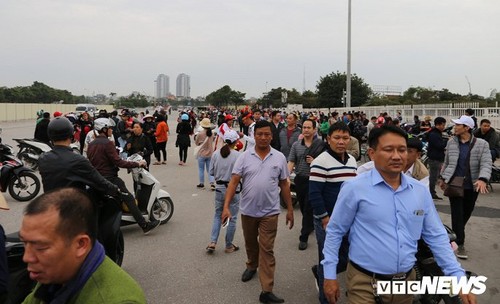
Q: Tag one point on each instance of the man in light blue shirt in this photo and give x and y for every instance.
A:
(386, 213)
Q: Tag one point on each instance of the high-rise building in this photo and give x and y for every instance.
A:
(183, 86)
(162, 86)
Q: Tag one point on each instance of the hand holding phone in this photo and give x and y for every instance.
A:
(225, 223)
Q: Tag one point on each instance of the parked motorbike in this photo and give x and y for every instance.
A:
(426, 266)
(109, 235)
(30, 151)
(154, 202)
(21, 182)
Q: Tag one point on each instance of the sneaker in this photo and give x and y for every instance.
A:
(314, 270)
(212, 187)
(461, 252)
(150, 226)
(200, 186)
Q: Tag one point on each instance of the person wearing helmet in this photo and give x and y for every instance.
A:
(104, 157)
(183, 141)
(99, 124)
(61, 167)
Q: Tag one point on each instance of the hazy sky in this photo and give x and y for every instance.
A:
(121, 46)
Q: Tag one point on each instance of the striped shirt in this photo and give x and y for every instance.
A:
(328, 172)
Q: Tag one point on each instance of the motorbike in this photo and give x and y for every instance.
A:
(109, 235)
(293, 193)
(154, 202)
(426, 266)
(21, 182)
(30, 150)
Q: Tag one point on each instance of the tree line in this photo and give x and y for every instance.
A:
(329, 93)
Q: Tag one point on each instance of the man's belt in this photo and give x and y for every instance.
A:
(219, 182)
(384, 277)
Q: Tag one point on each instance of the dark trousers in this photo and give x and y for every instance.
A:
(183, 153)
(461, 211)
(129, 200)
(343, 257)
(302, 190)
(434, 169)
(161, 147)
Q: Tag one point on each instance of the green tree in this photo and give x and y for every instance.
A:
(331, 88)
(225, 96)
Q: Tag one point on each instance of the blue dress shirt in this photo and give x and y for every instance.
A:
(385, 226)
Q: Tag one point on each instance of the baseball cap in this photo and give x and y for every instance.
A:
(231, 135)
(3, 203)
(464, 120)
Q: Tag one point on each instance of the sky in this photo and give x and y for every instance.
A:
(94, 46)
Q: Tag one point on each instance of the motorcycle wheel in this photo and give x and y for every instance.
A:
(162, 210)
(120, 249)
(24, 187)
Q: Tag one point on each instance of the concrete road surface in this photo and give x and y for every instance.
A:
(172, 266)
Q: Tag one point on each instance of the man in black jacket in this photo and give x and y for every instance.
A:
(435, 153)
(61, 167)
(104, 157)
(486, 132)
(41, 129)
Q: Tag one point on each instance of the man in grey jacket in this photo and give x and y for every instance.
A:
(477, 173)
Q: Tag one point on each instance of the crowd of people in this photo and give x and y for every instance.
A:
(248, 157)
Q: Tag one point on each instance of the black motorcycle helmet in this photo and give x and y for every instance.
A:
(60, 128)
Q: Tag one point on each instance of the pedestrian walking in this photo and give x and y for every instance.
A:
(385, 213)
(204, 142)
(290, 134)
(183, 141)
(436, 145)
(221, 167)
(467, 165)
(263, 172)
(302, 153)
(328, 171)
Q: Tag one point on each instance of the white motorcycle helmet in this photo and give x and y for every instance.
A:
(101, 123)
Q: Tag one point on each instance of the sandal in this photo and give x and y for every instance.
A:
(157, 163)
(233, 248)
(211, 247)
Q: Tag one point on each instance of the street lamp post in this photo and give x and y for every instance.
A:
(348, 84)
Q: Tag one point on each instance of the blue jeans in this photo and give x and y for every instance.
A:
(343, 256)
(204, 163)
(234, 208)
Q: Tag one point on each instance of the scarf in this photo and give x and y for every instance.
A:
(60, 294)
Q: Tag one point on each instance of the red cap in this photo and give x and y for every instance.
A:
(57, 114)
(228, 117)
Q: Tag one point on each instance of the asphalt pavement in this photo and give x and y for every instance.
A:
(172, 266)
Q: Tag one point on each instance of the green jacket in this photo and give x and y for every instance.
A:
(108, 284)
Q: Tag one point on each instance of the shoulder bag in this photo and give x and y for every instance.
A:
(455, 188)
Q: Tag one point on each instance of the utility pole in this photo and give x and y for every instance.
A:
(348, 84)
